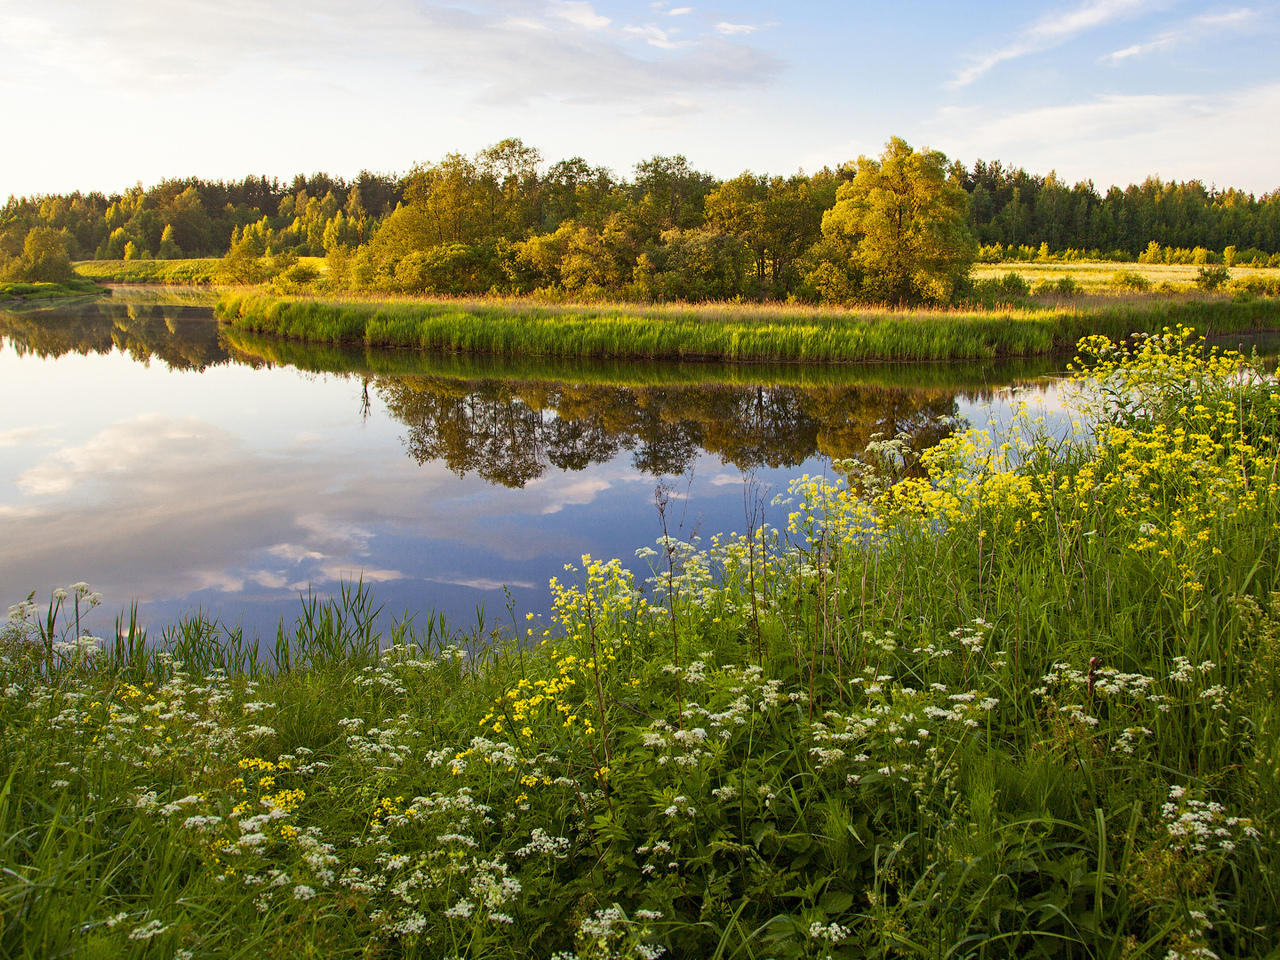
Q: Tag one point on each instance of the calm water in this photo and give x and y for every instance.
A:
(148, 452)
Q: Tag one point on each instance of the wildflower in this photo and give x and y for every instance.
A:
(460, 910)
(145, 931)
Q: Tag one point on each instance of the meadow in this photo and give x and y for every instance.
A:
(189, 271)
(728, 332)
(1101, 277)
(1015, 698)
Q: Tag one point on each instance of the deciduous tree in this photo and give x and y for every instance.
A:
(905, 225)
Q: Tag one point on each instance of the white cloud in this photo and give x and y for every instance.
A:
(268, 579)
(21, 435)
(484, 583)
(219, 580)
(1048, 32)
(1193, 29)
(680, 12)
(294, 553)
(735, 29)
(502, 51)
(579, 13)
(577, 492)
(1211, 137)
(656, 37)
(334, 572)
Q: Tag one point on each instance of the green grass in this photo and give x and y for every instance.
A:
(1029, 707)
(22, 292)
(729, 332)
(192, 271)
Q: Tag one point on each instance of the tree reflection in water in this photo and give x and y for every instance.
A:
(510, 432)
(509, 428)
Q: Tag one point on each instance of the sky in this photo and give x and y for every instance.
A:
(98, 96)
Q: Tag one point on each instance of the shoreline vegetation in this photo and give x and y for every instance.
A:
(38, 292)
(729, 332)
(1017, 697)
(345, 359)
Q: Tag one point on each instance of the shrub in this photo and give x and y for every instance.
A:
(1062, 287)
(1211, 278)
(1129, 280)
(1255, 286)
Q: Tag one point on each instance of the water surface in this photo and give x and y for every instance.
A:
(170, 462)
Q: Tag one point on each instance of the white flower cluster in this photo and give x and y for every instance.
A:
(829, 933)
(542, 842)
(1200, 826)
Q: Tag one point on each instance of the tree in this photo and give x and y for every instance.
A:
(44, 256)
(905, 224)
(169, 249)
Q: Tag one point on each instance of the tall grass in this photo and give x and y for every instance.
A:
(1024, 706)
(725, 332)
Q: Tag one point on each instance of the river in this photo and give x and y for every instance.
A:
(170, 463)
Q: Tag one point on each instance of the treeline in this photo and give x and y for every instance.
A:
(187, 217)
(1014, 209)
(503, 221)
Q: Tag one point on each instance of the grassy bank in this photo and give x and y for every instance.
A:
(193, 271)
(1026, 707)
(35, 292)
(729, 332)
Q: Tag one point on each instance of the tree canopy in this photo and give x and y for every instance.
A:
(904, 225)
(896, 228)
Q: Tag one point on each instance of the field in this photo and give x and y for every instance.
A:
(182, 272)
(1100, 277)
(1020, 698)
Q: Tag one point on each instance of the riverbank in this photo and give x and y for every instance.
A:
(16, 294)
(1026, 706)
(728, 332)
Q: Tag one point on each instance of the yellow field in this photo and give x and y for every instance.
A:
(1095, 277)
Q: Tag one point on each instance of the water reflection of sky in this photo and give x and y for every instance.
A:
(235, 488)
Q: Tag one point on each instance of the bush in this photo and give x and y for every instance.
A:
(1062, 287)
(1254, 286)
(1211, 278)
(1129, 280)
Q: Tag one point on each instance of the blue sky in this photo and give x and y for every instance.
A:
(98, 95)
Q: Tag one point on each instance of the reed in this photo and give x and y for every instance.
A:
(723, 332)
